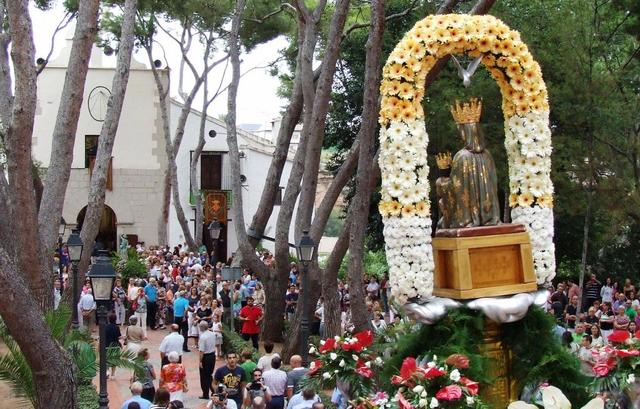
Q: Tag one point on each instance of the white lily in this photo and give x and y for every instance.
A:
(595, 403)
(521, 405)
(553, 398)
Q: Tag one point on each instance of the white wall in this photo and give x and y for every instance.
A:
(254, 166)
(138, 153)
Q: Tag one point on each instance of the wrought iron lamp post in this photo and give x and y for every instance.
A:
(102, 277)
(306, 251)
(75, 246)
(61, 229)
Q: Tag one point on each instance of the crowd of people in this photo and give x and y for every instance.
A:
(185, 295)
(586, 317)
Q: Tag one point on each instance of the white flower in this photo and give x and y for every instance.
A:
(553, 398)
(355, 357)
(326, 375)
(470, 400)
(322, 342)
(333, 356)
(342, 363)
(434, 403)
(368, 363)
(423, 394)
(595, 403)
(521, 405)
(312, 350)
(631, 378)
(454, 375)
(378, 361)
(312, 365)
(423, 403)
(418, 389)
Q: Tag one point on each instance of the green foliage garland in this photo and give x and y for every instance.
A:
(537, 355)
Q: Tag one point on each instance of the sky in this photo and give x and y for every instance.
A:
(257, 101)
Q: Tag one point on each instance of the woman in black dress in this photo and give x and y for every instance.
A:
(113, 337)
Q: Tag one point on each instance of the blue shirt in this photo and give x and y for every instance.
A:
(144, 404)
(152, 292)
(180, 306)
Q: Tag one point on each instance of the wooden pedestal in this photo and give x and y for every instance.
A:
(483, 266)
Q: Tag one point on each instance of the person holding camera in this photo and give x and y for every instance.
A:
(256, 388)
(220, 400)
(232, 377)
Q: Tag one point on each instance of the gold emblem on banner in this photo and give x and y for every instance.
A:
(215, 206)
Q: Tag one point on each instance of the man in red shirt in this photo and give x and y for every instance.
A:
(251, 315)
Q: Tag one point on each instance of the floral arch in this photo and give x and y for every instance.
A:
(405, 206)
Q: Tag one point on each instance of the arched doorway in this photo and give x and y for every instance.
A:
(107, 238)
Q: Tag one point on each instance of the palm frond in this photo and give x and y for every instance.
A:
(84, 357)
(15, 371)
(125, 359)
(57, 321)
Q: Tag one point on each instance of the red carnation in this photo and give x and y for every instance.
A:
(409, 367)
(433, 372)
(625, 353)
(402, 402)
(619, 336)
(329, 345)
(637, 335)
(316, 367)
(450, 392)
(365, 338)
(601, 369)
(460, 361)
(396, 380)
(364, 371)
(472, 386)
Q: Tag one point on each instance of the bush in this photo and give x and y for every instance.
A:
(132, 267)
(233, 342)
(87, 397)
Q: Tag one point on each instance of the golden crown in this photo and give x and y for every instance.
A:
(467, 112)
(443, 160)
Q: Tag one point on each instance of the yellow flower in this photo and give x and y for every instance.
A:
(508, 109)
(513, 69)
(394, 208)
(491, 31)
(455, 34)
(517, 82)
(484, 45)
(393, 87)
(395, 114)
(414, 64)
(545, 201)
(503, 62)
(503, 31)
(408, 210)
(519, 98)
(408, 115)
(525, 200)
(419, 34)
(395, 71)
(522, 108)
(489, 60)
(513, 200)
(383, 209)
(399, 55)
(390, 102)
(441, 34)
(407, 74)
(405, 90)
(422, 209)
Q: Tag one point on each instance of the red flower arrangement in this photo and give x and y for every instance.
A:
(619, 336)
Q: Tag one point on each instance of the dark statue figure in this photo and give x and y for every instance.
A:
(467, 189)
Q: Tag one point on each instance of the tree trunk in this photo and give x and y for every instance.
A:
(332, 313)
(64, 135)
(315, 125)
(164, 212)
(50, 365)
(585, 246)
(97, 189)
(361, 201)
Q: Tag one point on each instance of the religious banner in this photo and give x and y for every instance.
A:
(215, 206)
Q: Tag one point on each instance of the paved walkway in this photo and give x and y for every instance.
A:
(118, 388)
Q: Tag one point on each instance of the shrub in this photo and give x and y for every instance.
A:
(87, 397)
(233, 342)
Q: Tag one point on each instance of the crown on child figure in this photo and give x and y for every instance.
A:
(467, 112)
(443, 160)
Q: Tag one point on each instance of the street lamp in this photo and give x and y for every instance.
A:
(215, 227)
(306, 251)
(61, 229)
(75, 246)
(102, 276)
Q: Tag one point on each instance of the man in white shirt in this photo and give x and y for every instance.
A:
(275, 379)
(304, 399)
(207, 357)
(172, 342)
(264, 363)
(86, 306)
